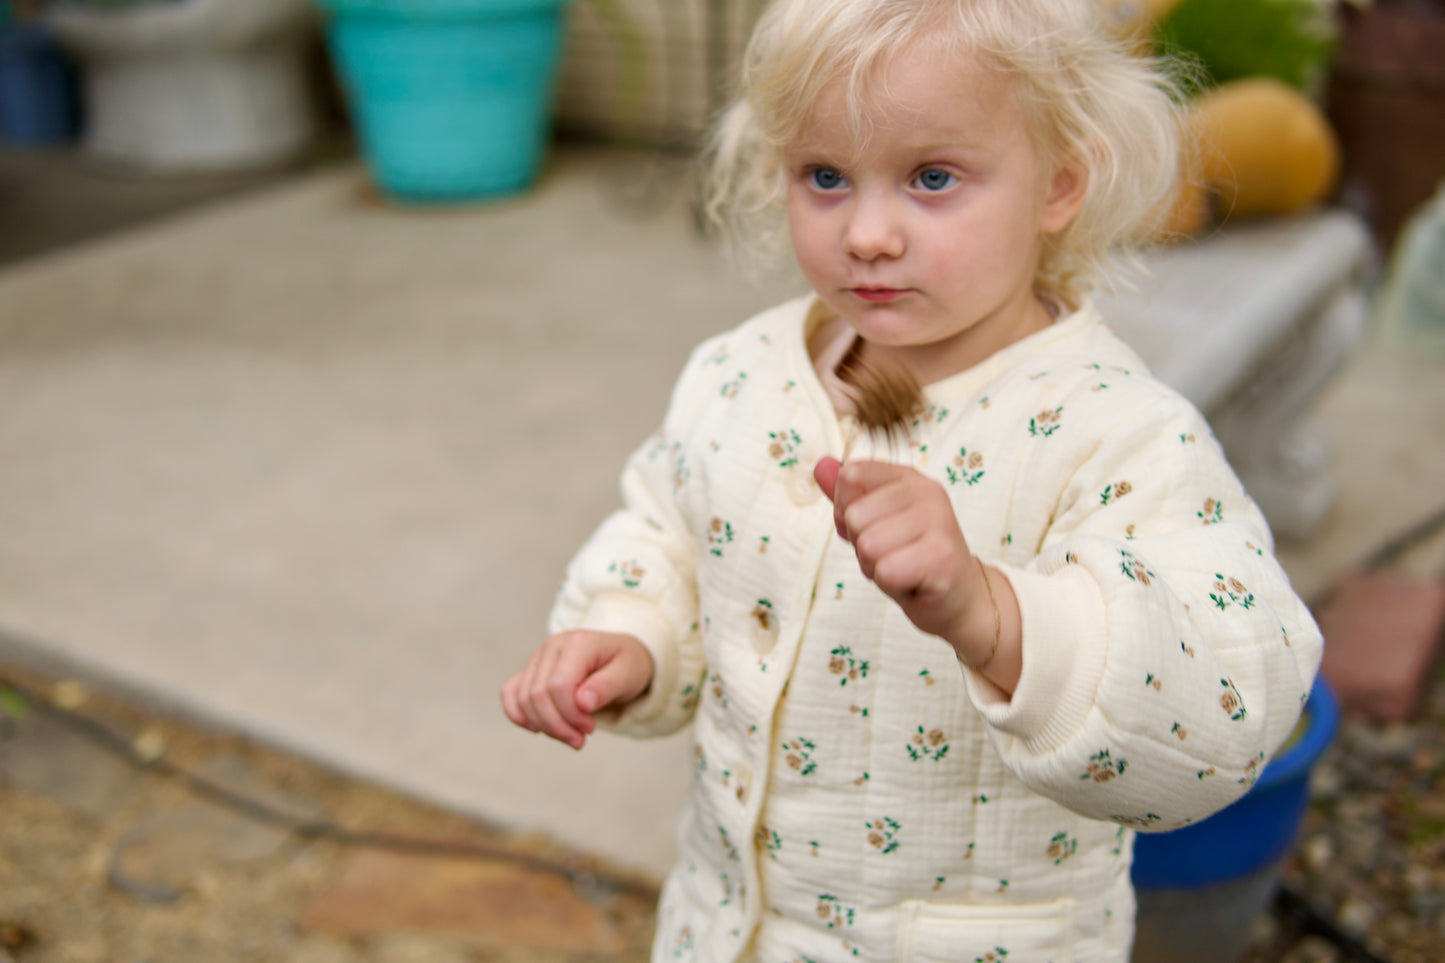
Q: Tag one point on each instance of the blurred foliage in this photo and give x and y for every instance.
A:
(1289, 40)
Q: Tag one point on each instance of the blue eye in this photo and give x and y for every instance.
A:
(934, 179)
(827, 179)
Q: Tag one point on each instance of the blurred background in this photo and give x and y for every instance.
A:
(325, 326)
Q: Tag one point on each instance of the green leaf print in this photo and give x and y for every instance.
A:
(630, 572)
(932, 744)
(967, 468)
(1103, 767)
(842, 663)
(784, 447)
(1213, 512)
(1046, 422)
(1229, 591)
(800, 756)
(719, 534)
(882, 834)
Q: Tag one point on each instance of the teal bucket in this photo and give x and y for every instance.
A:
(451, 98)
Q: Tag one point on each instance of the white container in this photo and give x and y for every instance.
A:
(192, 85)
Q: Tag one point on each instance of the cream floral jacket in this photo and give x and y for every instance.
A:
(857, 793)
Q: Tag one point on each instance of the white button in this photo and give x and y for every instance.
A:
(764, 628)
(802, 487)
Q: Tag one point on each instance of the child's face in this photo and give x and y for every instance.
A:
(927, 239)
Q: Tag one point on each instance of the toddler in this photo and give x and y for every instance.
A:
(938, 673)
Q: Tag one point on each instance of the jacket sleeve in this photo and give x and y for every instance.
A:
(637, 573)
(1165, 654)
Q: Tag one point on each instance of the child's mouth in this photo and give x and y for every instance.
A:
(880, 294)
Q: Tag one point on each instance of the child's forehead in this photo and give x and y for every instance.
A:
(919, 96)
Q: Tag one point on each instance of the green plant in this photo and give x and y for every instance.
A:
(1290, 40)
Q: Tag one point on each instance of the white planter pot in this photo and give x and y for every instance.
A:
(193, 85)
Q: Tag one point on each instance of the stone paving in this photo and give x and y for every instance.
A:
(134, 838)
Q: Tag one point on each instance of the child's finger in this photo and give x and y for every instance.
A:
(620, 679)
(825, 473)
(509, 702)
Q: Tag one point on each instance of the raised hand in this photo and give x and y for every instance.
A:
(570, 677)
(903, 528)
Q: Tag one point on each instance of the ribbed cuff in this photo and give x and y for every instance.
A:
(1065, 642)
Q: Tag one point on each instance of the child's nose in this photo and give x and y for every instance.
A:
(873, 230)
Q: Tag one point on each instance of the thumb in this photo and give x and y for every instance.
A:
(825, 473)
(620, 679)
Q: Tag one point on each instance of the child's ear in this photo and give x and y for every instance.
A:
(1066, 190)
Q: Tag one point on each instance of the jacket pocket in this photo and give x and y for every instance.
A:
(997, 933)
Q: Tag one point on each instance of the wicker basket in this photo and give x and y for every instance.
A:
(651, 72)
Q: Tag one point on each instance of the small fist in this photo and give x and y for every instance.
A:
(903, 528)
(570, 677)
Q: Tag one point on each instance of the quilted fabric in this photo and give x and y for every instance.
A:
(858, 793)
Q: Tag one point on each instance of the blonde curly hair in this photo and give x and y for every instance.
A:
(1084, 93)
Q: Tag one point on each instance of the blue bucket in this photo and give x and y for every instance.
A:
(1256, 831)
(451, 98)
(39, 106)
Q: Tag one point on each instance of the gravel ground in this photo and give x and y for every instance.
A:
(1370, 863)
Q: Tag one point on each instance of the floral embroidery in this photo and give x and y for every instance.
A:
(861, 711)
(841, 662)
(1046, 422)
(763, 545)
(682, 942)
(688, 696)
(1234, 589)
(967, 468)
(800, 756)
(1138, 822)
(1203, 774)
(1188, 439)
(630, 572)
(938, 882)
(1180, 731)
(933, 413)
(927, 676)
(1154, 682)
(769, 840)
(838, 592)
(932, 744)
(717, 690)
(785, 447)
(1254, 548)
(831, 910)
(881, 833)
(995, 955)
(1114, 492)
(1251, 771)
(731, 388)
(1231, 701)
(719, 356)
(727, 845)
(1186, 649)
(1061, 847)
(1103, 767)
(719, 533)
(1135, 569)
(1213, 512)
